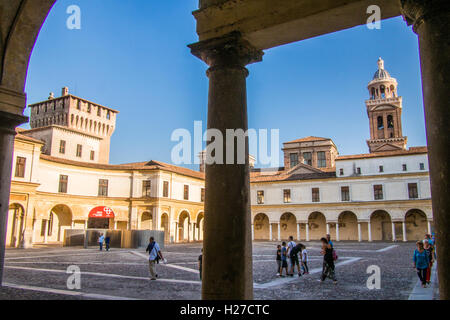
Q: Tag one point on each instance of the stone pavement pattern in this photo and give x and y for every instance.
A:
(123, 274)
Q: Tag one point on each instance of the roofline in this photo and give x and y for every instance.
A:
(73, 96)
(63, 128)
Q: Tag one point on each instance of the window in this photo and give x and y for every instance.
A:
(92, 155)
(45, 108)
(62, 147)
(99, 111)
(422, 166)
(380, 124)
(381, 169)
(260, 197)
(37, 109)
(315, 195)
(79, 150)
(293, 159)
(202, 195)
(412, 191)
(146, 188)
(321, 160)
(287, 195)
(103, 188)
(341, 171)
(89, 108)
(358, 170)
(307, 158)
(108, 115)
(345, 193)
(390, 121)
(186, 192)
(378, 192)
(79, 105)
(20, 167)
(405, 168)
(63, 184)
(166, 189)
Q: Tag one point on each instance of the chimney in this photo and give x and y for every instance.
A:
(51, 96)
(65, 91)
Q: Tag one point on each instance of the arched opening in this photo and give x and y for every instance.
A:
(16, 221)
(183, 226)
(380, 124)
(165, 226)
(381, 226)
(416, 224)
(317, 225)
(60, 218)
(261, 227)
(146, 221)
(200, 226)
(390, 121)
(288, 225)
(348, 226)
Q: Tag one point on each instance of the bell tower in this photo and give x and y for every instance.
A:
(384, 109)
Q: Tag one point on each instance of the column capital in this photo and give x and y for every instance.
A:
(9, 121)
(229, 51)
(415, 12)
(12, 101)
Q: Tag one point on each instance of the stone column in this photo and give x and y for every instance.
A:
(429, 227)
(431, 20)
(193, 232)
(359, 232)
(115, 224)
(227, 185)
(270, 231)
(328, 228)
(307, 232)
(177, 232)
(404, 231)
(253, 232)
(279, 231)
(369, 231)
(298, 231)
(337, 231)
(85, 224)
(8, 123)
(45, 230)
(393, 231)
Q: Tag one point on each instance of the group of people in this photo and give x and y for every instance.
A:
(423, 259)
(298, 256)
(102, 239)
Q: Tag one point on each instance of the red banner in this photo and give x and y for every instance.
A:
(101, 212)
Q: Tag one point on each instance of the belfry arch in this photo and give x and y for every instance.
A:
(261, 227)
(416, 224)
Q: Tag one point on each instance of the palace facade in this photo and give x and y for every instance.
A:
(61, 172)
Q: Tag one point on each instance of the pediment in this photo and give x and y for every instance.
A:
(302, 168)
(387, 147)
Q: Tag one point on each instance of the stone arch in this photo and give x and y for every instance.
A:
(348, 226)
(16, 225)
(146, 222)
(381, 225)
(184, 220)
(60, 218)
(261, 227)
(288, 225)
(416, 224)
(200, 225)
(317, 225)
(165, 226)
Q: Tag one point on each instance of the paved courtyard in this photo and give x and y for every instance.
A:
(123, 273)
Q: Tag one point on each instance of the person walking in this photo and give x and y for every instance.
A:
(154, 256)
(429, 249)
(329, 240)
(107, 241)
(283, 259)
(305, 260)
(278, 259)
(421, 262)
(293, 257)
(101, 238)
(200, 264)
(328, 262)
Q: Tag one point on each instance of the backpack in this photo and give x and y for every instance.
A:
(335, 256)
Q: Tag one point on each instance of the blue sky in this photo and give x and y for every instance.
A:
(132, 56)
